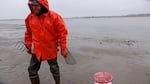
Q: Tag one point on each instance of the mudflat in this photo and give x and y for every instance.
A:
(119, 46)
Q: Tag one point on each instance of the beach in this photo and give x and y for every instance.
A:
(119, 46)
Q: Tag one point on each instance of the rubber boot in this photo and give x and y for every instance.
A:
(35, 80)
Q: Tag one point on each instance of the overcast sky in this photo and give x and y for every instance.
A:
(18, 9)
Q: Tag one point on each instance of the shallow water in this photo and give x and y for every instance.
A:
(117, 27)
(129, 27)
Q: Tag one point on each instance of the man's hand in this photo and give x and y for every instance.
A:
(29, 51)
(64, 52)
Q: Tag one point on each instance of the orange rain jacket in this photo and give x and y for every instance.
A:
(44, 33)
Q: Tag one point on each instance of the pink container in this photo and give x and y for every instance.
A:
(102, 78)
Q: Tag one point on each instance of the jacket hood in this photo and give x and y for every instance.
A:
(43, 3)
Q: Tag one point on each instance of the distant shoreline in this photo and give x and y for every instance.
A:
(130, 15)
(104, 17)
(87, 17)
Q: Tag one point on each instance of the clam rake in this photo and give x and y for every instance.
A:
(21, 46)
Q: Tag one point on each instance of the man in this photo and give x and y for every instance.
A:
(45, 30)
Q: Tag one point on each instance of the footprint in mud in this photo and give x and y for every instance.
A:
(118, 41)
(130, 43)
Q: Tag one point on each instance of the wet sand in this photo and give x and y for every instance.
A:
(122, 52)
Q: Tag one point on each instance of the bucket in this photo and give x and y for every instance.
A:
(102, 78)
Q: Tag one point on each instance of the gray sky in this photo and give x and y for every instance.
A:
(18, 9)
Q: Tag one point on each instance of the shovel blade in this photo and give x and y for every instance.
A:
(70, 59)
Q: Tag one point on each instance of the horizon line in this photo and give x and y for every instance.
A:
(77, 17)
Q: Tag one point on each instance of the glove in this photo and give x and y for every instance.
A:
(64, 52)
(29, 51)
